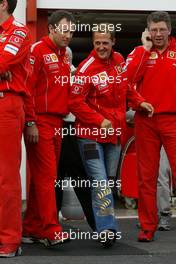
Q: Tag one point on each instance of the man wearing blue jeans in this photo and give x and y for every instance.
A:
(100, 161)
(98, 100)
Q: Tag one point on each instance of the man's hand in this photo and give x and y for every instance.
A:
(146, 40)
(6, 76)
(31, 134)
(147, 107)
(106, 124)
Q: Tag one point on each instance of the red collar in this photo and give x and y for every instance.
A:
(51, 44)
(171, 45)
(5, 26)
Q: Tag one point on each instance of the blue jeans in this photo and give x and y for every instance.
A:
(100, 160)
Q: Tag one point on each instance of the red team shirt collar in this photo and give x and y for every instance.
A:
(53, 46)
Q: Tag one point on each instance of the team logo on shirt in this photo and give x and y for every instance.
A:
(3, 38)
(119, 69)
(32, 60)
(101, 81)
(16, 40)
(153, 55)
(53, 67)
(54, 57)
(171, 54)
(67, 59)
(11, 49)
(100, 78)
(78, 80)
(50, 58)
(103, 76)
(77, 90)
(20, 33)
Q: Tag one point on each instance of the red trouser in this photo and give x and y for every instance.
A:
(11, 127)
(41, 218)
(150, 134)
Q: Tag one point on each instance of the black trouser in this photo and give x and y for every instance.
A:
(71, 165)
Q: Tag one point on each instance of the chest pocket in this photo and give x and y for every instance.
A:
(51, 62)
(101, 82)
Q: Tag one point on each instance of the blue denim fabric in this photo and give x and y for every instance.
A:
(100, 161)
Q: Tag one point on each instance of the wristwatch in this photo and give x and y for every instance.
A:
(30, 123)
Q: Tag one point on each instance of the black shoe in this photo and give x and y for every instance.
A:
(107, 238)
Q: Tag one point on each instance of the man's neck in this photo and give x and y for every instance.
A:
(163, 49)
(4, 17)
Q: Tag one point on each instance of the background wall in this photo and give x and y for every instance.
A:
(137, 5)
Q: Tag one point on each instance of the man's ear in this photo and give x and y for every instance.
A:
(113, 41)
(170, 29)
(51, 29)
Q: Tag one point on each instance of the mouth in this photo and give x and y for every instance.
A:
(102, 52)
(66, 42)
(158, 39)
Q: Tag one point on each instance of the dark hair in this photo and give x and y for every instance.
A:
(159, 16)
(11, 5)
(57, 16)
(104, 28)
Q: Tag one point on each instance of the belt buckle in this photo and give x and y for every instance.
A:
(1, 94)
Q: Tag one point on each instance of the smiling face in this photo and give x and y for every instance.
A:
(159, 34)
(103, 44)
(3, 11)
(62, 33)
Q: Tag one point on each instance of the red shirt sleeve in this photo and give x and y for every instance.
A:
(77, 100)
(35, 62)
(135, 64)
(14, 49)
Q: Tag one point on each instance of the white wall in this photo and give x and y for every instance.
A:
(20, 11)
(169, 5)
(20, 15)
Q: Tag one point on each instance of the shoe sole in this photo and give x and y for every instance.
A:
(45, 241)
(48, 243)
(146, 240)
(161, 228)
(108, 243)
(31, 240)
(11, 255)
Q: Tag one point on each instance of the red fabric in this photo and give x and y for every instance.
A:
(41, 215)
(11, 127)
(129, 175)
(49, 66)
(150, 134)
(99, 91)
(155, 75)
(14, 55)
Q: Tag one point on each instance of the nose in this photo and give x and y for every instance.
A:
(101, 46)
(158, 33)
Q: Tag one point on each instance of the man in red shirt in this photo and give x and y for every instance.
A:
(49, 84)
(14, 67)
(98, 100)
(153, 67)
